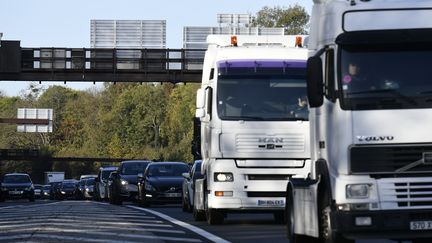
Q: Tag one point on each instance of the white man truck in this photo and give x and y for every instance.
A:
(254, 124)
(370, 93)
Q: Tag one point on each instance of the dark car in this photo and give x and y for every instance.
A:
(123, 184)
(67, 189)
(162, 183)
(55, 190)
(17, 186)
(89, 188)
(189, 185)
(101, 182)
(45, 193)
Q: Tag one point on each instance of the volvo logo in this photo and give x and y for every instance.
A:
(270, 140)
(375, 138)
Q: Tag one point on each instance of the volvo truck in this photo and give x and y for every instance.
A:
(254, 124)
(370, 92)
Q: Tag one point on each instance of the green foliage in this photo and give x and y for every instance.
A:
(294, 19)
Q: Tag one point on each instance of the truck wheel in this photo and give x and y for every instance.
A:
(326, 230)
(198, 215)
(214, 216)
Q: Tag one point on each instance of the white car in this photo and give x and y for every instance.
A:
(188, 185)
(101, 182)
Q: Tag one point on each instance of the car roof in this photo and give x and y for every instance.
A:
(10, 174)
(168, 163)
(135, 161)
(108, 168)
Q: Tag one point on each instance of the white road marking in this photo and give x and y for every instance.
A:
(88, 227)
(135, 235)
(192, 228)
(61, 237)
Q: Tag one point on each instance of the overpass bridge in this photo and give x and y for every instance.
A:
(99, 65)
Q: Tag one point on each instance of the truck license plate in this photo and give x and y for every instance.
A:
(271, 203)
(421, 225)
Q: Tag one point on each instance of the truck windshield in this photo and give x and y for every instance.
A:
(262, 90)
(385, 77)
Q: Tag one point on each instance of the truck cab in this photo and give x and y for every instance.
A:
(254, 124)
(369, 94)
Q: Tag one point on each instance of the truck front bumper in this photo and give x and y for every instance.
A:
(389, 224)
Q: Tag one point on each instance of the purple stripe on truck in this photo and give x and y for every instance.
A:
(262, 63)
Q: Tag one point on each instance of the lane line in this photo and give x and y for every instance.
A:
(135, 235)
(33, 225)
(28, 206)
(60, 237)
(190, 227)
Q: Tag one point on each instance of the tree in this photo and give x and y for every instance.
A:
(294, 19)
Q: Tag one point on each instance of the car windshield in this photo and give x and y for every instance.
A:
(385, 77)
(16, 179)
(106, 173)
(133, 168)
(262, 90)
(90, 181)
(68, 185)
(168, 170)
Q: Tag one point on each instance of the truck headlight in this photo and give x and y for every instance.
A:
(124, 182)
(223, 177)
(357, 190)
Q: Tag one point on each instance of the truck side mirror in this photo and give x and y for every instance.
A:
(314, 74)
(200, 103)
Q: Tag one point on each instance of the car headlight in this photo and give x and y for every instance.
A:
(357, 190)
(149, 187)
(63, 192)
(223, 177)
(124, 182)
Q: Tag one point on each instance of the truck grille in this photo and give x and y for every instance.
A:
(388, 158)
(414, 194)
(279, 143)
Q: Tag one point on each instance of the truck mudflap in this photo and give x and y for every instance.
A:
(199, 194)
(305, 202)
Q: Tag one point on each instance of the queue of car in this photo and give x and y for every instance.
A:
(142, 181)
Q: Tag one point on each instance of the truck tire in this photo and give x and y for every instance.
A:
(197, 215)
(328, 234)
(214, 216)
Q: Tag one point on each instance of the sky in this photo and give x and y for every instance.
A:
(61, 23)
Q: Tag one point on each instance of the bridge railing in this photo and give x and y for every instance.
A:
(97, 64)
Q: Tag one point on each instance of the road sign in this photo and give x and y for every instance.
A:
(31, 113)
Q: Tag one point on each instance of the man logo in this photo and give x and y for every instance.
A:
(375, 138)
(270, 140)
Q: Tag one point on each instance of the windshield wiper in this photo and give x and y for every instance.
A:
(248, 118)
(390, 91)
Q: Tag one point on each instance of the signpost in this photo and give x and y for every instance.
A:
(43, 120)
